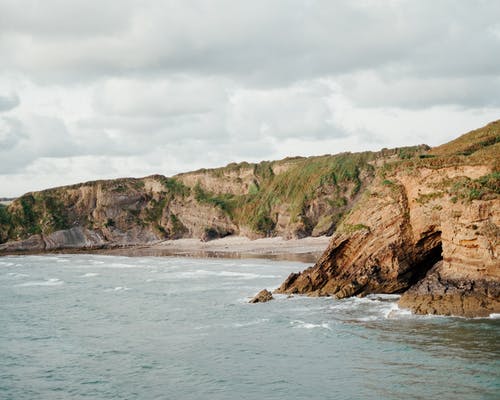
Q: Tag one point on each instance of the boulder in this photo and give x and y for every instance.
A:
(263, 296)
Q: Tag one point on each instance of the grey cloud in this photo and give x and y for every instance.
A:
(259, 42)
(175, 95)
(9, 102)
(373, 90)
(11, 133)
(61, 18)
(298, 111)
(157, 86)
(26, 141)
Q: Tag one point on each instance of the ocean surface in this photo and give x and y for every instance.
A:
(107, 327)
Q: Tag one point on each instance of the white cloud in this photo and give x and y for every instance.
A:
(144, 87)
(8, 102)
(371, 89)
(298, 111)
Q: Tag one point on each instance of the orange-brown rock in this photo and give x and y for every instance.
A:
(293, 198)
(443, 210)
(442, 292)
(262, 297)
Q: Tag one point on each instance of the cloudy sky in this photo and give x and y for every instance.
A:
(93, 89)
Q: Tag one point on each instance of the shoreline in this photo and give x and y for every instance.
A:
(306, 250)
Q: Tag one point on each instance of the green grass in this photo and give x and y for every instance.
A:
(178, 227)
(347, 228)
(109, 223)
(225, 201)
(425, 198)
(293, 187)
(4, 215)
(471, 142)
(175, 187)
(486, 187)
(253, 188)
(301, 183)
(55, 208)
(154, 210)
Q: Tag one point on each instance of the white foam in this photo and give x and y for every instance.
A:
(368, 319)
(307, 325)
(201, 273)
(245, 275)
(121, 265)
(371, 308)
(495, 316)
(397, 313)
(7, 264)
(250, 323)
(89, 275)
(383, 296)
(17, 275)
(120, 288)
(49, 282)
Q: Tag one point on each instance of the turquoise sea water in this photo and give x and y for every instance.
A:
(106, 327)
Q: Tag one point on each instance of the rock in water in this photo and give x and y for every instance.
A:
(440, 292)
(263, 296)
(441, 211)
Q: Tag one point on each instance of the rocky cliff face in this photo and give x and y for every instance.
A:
(295, 197)
(428, 224)
(420, 222)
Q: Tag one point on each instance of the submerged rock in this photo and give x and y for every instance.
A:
(262, 297)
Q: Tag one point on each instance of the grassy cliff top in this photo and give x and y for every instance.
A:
(470, 142)
(295, 193)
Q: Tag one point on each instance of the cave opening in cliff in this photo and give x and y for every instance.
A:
(432, 252)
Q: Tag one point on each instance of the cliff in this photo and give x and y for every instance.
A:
(427, 227)
(294, 197)
(418, 221)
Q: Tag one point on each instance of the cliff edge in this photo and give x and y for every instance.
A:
(292, 198)
(427, 227)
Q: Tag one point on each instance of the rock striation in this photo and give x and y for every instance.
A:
(291, 198)
(418, 221)
(426, 227)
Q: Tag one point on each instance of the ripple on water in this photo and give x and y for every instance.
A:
(156, 327)
(48, 282)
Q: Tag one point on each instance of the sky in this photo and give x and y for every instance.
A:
(96, 89)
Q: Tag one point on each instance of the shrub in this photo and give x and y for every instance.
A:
(109, 223)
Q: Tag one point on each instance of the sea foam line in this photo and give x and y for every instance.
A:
(49, 282)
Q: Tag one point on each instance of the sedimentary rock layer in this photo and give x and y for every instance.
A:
(292, 198)
(430, 224)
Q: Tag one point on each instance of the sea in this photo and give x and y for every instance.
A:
(114, 327)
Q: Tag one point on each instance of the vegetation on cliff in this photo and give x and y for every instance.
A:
(404, 218)
(429, 223)
(293, 197)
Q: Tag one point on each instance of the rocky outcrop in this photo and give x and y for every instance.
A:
(262, 297)
(292, 198)
(430, 224)
(447, 293)
(419, 221)
(74, 238)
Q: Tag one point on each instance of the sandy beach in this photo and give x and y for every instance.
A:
(306, 250)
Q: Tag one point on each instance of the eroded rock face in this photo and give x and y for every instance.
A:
(74, 238)
(403, 226)
(34, 243)
(440, 292)
(292, 198)
(262, 297)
